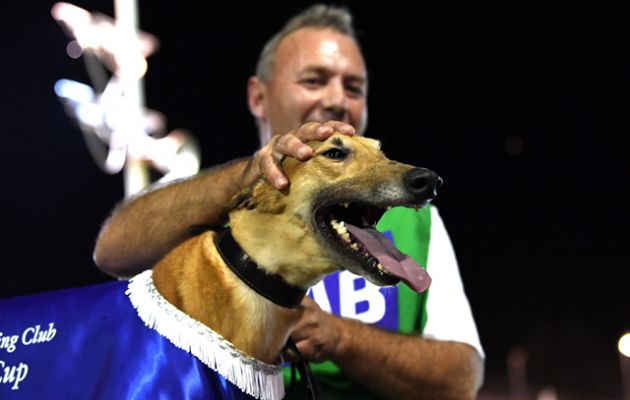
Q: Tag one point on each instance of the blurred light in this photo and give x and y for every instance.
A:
(74, 91)
(116, 114)
(514, 145)
(115, 160)
(137, 67)
(78, 20)
(74, 50)
(71, 14)
(547, 393)
(103, 35)
(517, 373)
(624, 344)
(89, 114)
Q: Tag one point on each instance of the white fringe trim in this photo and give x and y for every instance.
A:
(254, 377)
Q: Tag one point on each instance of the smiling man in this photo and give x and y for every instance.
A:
(311, 81)
(316, 75)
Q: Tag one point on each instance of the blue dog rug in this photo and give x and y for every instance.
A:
(121, 340)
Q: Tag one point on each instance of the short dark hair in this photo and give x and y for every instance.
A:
(318, 16)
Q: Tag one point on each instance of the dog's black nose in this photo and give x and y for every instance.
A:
(422, 183)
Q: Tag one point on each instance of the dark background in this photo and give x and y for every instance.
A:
(521, 107)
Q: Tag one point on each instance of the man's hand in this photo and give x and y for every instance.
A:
(391, 365)
(317, 333)
(266, 161)
(143, 229)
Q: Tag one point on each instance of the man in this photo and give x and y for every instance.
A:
(311, 80)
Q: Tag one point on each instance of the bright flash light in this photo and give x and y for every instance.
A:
(75, 91)
(74, 49)
(136, 66)
(624, 344)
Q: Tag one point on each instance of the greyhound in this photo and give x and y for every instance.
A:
(231, 297)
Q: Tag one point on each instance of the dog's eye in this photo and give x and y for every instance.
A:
(336, 154)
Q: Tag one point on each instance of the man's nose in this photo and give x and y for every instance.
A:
(335, 100)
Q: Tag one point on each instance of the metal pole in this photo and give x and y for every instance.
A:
(131, 70)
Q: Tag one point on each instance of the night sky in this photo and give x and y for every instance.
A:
(522, 108)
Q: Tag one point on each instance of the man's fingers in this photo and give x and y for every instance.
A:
(342, 127)
(308, 303)
(311, 131)
(267, 160)
(301, 333)
(289, 355)
(270, 167)
(292, 146)
(319, 131)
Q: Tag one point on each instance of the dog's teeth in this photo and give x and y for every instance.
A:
(380, 266)
(345, 205)
(388, 208)
(341, 229)
(354, 247)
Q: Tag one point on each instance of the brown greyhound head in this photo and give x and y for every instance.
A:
(325, 220)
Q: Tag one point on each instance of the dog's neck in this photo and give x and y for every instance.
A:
(195, 278)
(281, 244)
(271, 286)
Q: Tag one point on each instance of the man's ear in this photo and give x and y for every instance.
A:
(256, 97)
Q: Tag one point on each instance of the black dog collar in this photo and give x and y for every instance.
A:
(270, 286)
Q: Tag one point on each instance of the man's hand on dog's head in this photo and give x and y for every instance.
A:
(266, 161)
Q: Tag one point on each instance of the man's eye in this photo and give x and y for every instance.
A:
(311, 82)
(355, 91)
(335, 154)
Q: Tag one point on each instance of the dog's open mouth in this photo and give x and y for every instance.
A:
(351, 226)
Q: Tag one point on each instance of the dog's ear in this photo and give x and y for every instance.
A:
(267, 199)
(243, 199)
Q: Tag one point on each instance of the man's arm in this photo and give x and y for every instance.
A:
(391, 365)
(408, 367)
(143, 229)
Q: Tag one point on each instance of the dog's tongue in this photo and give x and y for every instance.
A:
(395, 262)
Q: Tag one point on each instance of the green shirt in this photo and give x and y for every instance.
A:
(402, 309)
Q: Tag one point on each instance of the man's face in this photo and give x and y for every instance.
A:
(319, 75)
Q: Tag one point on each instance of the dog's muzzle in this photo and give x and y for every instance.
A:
(422, 184)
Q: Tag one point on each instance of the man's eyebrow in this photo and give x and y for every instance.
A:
(321, 70)
(314, 68)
